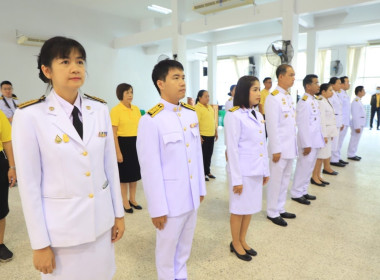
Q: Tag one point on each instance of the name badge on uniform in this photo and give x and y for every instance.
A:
(102, 134)
(193, 125)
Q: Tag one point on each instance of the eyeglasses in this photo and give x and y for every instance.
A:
(7, 88)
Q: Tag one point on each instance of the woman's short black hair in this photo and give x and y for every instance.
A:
(243, 86)
(161, 70)
(323, 87)
(57, 47)
(199, 95)
(121, 89)
(358, 89)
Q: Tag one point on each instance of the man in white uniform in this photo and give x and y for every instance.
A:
(310, 139)
(8, 101)
(170, 156)
(230, 101)
(282, 144)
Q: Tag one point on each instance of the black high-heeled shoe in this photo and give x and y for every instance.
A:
(324, 182)
(130, 210)
(251, 252)
(137, 207)
(317, 184)
(245, 257)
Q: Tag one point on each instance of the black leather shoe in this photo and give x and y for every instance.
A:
(288, 215)
(338, 164)
(207, 179)
(130, 210)
(251, 252)
(301, 200)
(309, 197)
(317, 184)
(329, 173)
(343, 162)
(355, 158)
(245, 257)
(137, 207)
(211, 176)
(278, 221)
(324, 182)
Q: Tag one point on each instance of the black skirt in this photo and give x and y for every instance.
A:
(4, 186)
(129, 169)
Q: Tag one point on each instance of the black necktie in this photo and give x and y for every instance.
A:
(77, 122)
(254, 113)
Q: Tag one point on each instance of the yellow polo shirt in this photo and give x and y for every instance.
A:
(206, 118)
(377, 100)
(126, 119)
(5, 130)
(263, 95)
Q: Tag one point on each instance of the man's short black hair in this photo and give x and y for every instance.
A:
(243, 86)
(161, 70)
(266, 79)
(281, 70)
(358, 89)
(342, 79)
(333, 80)
(5, 83)
(308, 80)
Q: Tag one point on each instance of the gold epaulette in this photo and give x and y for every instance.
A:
(304, 98)
(156, 109)
(230, 99)
(95, 98)
(31, 102)
(188, 106)
(356, 99)
(317, 97)
(274, 93)
(233, 109)
(1, 98)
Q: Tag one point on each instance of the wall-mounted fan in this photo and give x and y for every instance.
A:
(280, 52)
(336, 68)
(251, 66)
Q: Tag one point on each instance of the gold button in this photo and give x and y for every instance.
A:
(261, 155)
(184, 128)
(189, 160)
(261, 143)
(179, 114)
(179, 109)
(85, 153)
(88, 174)
(187, 145)
(175, 109)
(260, 131)
(91, 195)
(191, 176)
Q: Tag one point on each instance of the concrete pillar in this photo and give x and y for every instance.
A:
(290, 27)
(178, 40)
(211, 73)
(196, 72)
(311, 52)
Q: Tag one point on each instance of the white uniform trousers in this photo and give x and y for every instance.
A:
(354, 142)
(173, 246)
(277, 188)
(89, 261)
(342, 135)
(334, 148)
(302, 175)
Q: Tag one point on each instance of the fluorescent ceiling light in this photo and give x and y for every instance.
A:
(159, 9)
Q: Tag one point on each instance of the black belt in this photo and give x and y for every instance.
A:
(2, 155)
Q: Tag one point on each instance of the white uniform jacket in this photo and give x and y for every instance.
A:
(170, 157)
(346, 110)
(358, 113)
(12, 102)
(337, 105)
(281, 124)
(69, 187)
(309, 123)
(328, 121)
(229, 104)
(246, 145)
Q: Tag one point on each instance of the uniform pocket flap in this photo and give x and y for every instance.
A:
(172, 137)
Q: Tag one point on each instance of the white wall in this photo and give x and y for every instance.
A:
(106, 67)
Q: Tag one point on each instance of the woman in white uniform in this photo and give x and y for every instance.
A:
(68, 176)
(247, 165)
(329, 131)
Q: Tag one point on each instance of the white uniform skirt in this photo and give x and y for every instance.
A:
(250, 200)
(89, 261)
(325, 152)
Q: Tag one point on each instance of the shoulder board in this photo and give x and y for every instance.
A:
(95, 98)
(188, 106)
(15, 98)
(156, 109)
(274, 93)
(233, 109)
(356, 99)
(304, 98)
(317, 97)
(31, 102)
(230, 99)
(1, 98)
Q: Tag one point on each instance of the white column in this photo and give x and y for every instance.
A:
(311, 52)
(290, 27)
(211, 73)
(196, 72)
(178, 40)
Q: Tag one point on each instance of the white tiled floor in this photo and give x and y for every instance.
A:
(336, 237)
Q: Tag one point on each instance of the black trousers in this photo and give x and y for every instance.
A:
(4, 186)
(207, 150)
(373, 111)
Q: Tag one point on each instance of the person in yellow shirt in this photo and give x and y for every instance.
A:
(264, 93)
(207, 129)
(7, 179)
(125, 118)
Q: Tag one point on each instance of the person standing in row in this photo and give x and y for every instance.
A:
(309, 139)
(247, 164)
(8, 100)
(125, 119)
(230, 101)
(264, 94)
(7, 180)
(170, 155)
(329, 131)
(67, 175)
(357, 123)
(282, 144)
(207, 128)
(375, 108)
